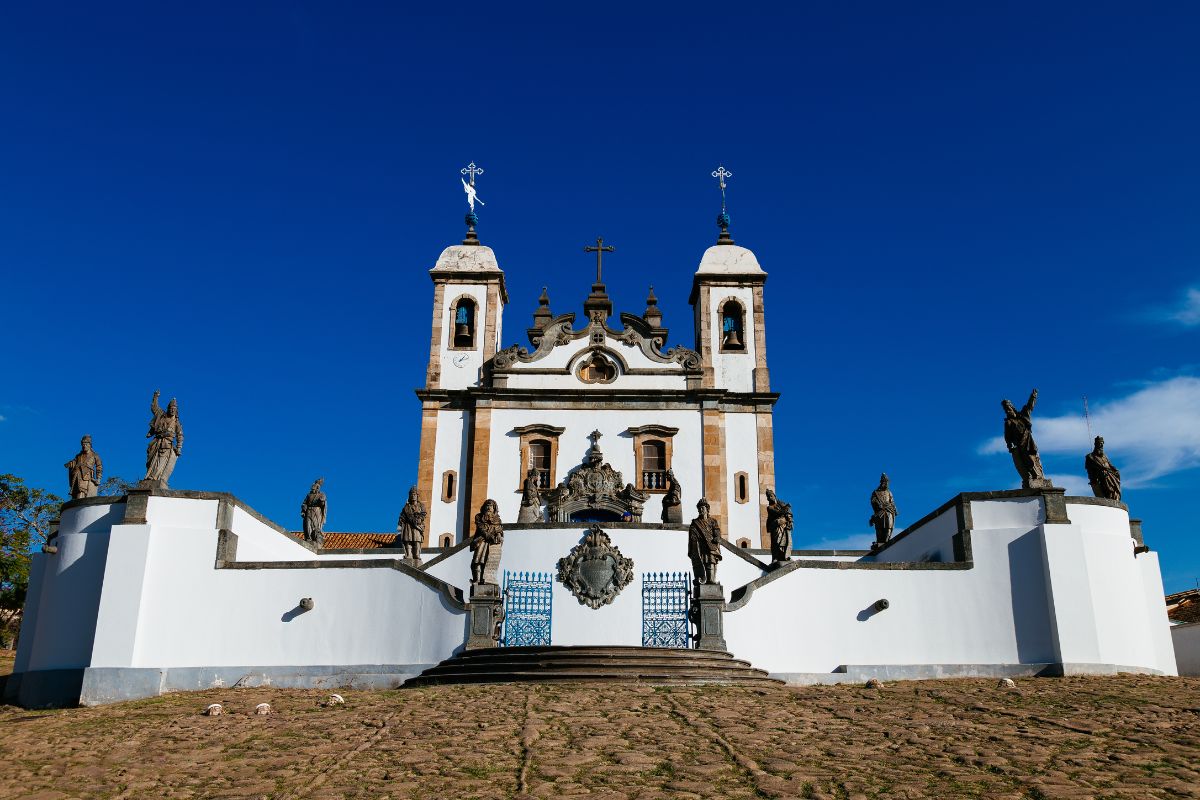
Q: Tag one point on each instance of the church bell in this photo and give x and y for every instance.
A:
(732, 340)
(461, 331)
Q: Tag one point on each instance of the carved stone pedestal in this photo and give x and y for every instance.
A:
(708, 608)
(487, 612)
(672, 515)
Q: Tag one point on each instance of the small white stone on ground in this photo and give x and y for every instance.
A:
(874, 683)
(214, 710)
(336, 700)
(262, 708)
(1006, 683)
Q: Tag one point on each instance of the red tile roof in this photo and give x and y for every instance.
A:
(1184, 606)
(355, 541)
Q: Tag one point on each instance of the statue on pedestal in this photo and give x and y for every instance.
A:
(704, 544)
(313, 511)
(531, 499)
(84, 471)
(412, 526)
(485, 543)
(1102, 475)
(883, 516)
(166, 446)
(672, 500)
(779, 527)
(1018, 436)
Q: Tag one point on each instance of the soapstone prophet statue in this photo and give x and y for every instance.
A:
(166, 435)
(313, 512)
(412, 526)
(84, 471)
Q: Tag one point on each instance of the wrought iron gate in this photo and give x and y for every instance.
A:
(526, 609)
(666, 597)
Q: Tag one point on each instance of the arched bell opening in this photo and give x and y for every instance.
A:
(733, 327)
(462, 326)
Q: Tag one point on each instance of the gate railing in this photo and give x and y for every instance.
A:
(527, 609)
(666, 598)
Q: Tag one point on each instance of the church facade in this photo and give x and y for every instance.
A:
(596, 382)
(585, 487)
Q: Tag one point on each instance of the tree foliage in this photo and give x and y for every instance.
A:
(25, 516)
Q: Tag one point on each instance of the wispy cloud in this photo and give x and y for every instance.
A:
(3, 418)
(1149, 433)
(853, 542)
(1185, 313)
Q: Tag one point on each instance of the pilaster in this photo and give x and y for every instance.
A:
(766, 470)
(425, 465)
(715, 486)
(481, 434)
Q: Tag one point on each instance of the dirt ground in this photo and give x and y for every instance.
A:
(1111, 737)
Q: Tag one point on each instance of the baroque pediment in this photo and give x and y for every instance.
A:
(636, 335)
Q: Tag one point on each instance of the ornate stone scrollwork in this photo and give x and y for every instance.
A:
(594, 486)
(509, 356)
(686, 357)
(595, 571)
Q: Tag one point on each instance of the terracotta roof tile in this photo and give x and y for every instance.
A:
(1184, 606)
(356, 541)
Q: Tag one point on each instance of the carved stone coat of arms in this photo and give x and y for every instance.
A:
(594, 570)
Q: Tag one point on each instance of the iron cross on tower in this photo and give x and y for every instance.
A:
(600, 249)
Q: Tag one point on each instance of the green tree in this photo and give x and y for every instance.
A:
(25, 516)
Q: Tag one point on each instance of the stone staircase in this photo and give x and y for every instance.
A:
(657, 665)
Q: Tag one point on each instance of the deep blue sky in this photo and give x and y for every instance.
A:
(238, 203)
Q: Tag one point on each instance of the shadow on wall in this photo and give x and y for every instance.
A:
(879, 605)
(1030, 600)
(305, 605)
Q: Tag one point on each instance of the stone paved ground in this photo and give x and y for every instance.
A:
(1122, 737)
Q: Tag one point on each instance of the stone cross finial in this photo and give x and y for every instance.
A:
(600, 249)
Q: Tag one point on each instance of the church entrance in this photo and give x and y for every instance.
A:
(666, 597)
(527, 609)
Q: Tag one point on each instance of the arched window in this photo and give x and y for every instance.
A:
(743, 543)
(654, 464)
(447, 541)
(733, 333)
(462, 326)
(539, 459)
(597, 369)
(449, 485)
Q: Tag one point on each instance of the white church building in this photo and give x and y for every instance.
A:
(168, 589)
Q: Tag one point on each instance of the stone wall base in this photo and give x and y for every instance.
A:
(93, 686)
(860, 673)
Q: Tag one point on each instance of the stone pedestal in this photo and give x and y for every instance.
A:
(708, 606)
(672, 515)
(487, 612)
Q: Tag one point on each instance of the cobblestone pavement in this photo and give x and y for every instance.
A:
(1111, 737)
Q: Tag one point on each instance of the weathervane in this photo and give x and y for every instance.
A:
(720, 173)
(469, 188)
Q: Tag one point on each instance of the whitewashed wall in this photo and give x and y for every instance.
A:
(1186, 639)
(741, 455)
(450, 449)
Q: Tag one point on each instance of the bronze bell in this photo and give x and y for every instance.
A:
(461, 331)
(732, 340)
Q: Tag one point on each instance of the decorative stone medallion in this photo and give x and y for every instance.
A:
(594, 570)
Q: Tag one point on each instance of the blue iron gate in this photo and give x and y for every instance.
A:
(666, 597)
(526, 609)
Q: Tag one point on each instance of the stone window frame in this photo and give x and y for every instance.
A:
(744, 543)
(745, 348)
(446, 541)
(453, 308)
(589, 359)
(651, 433)
(530, 433)
(738, 495)
(449, 486)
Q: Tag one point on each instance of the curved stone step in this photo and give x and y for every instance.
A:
(594, 663)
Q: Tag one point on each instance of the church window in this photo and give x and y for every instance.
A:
(652, 446)
(462, 326)
(539, 459)
(733, 327)
(539, 451)
(597, 368)
(741, 487)
(447, 541)
(743, 543)
(449, 486)
(654, 465)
